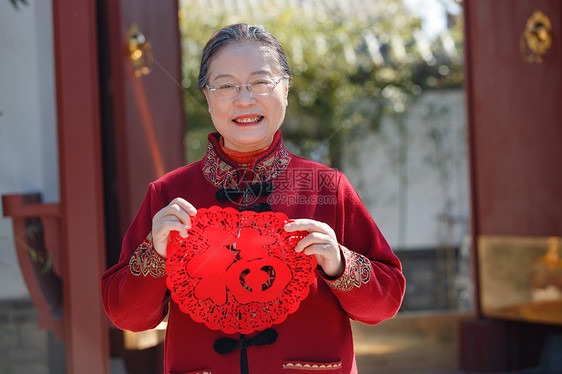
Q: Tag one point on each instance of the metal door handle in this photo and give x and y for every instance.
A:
(537, 38)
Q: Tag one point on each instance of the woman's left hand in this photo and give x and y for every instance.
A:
(321, 242)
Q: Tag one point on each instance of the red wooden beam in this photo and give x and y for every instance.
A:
(15, 207)
(81, 188)
(36, 237)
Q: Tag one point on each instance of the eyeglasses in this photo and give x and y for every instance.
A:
(228, 90)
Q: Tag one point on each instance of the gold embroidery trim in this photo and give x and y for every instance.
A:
(357, 271)
(224, 175)
(310, 366)
(146, 260)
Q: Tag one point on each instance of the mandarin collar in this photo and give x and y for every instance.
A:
(223, 172)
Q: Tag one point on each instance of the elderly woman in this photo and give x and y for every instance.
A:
(245, 78)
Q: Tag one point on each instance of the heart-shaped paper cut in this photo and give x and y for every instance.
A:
(238, 272)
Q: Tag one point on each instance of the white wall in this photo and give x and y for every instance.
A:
(436, 173)
(28, 138)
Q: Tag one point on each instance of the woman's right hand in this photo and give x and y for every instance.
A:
(176, 216)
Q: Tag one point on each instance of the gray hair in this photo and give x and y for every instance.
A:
(241, 32)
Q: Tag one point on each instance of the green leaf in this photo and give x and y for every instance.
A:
(16, 3)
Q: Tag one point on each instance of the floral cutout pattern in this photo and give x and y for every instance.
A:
(238, 271)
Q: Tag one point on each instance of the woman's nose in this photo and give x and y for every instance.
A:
(244, 97)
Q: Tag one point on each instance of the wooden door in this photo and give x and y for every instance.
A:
(515, 119)
(514, 106)
(143, 110)
(515, 124)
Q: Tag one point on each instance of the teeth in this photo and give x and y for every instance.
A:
(248, 119)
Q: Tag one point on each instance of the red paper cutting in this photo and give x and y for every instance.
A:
(238, 271)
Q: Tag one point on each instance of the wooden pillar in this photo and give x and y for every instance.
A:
(81, 188)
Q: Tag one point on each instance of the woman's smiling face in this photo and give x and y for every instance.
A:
(247, 121)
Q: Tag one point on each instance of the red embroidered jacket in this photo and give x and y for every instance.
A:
(318, 335)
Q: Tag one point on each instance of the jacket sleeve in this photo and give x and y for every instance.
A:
(372, 286)
(134, 291)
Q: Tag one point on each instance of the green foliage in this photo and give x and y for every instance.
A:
(349, 68)
(16, 3)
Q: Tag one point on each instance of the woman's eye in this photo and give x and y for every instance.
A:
(225, 86)
(261, 82)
